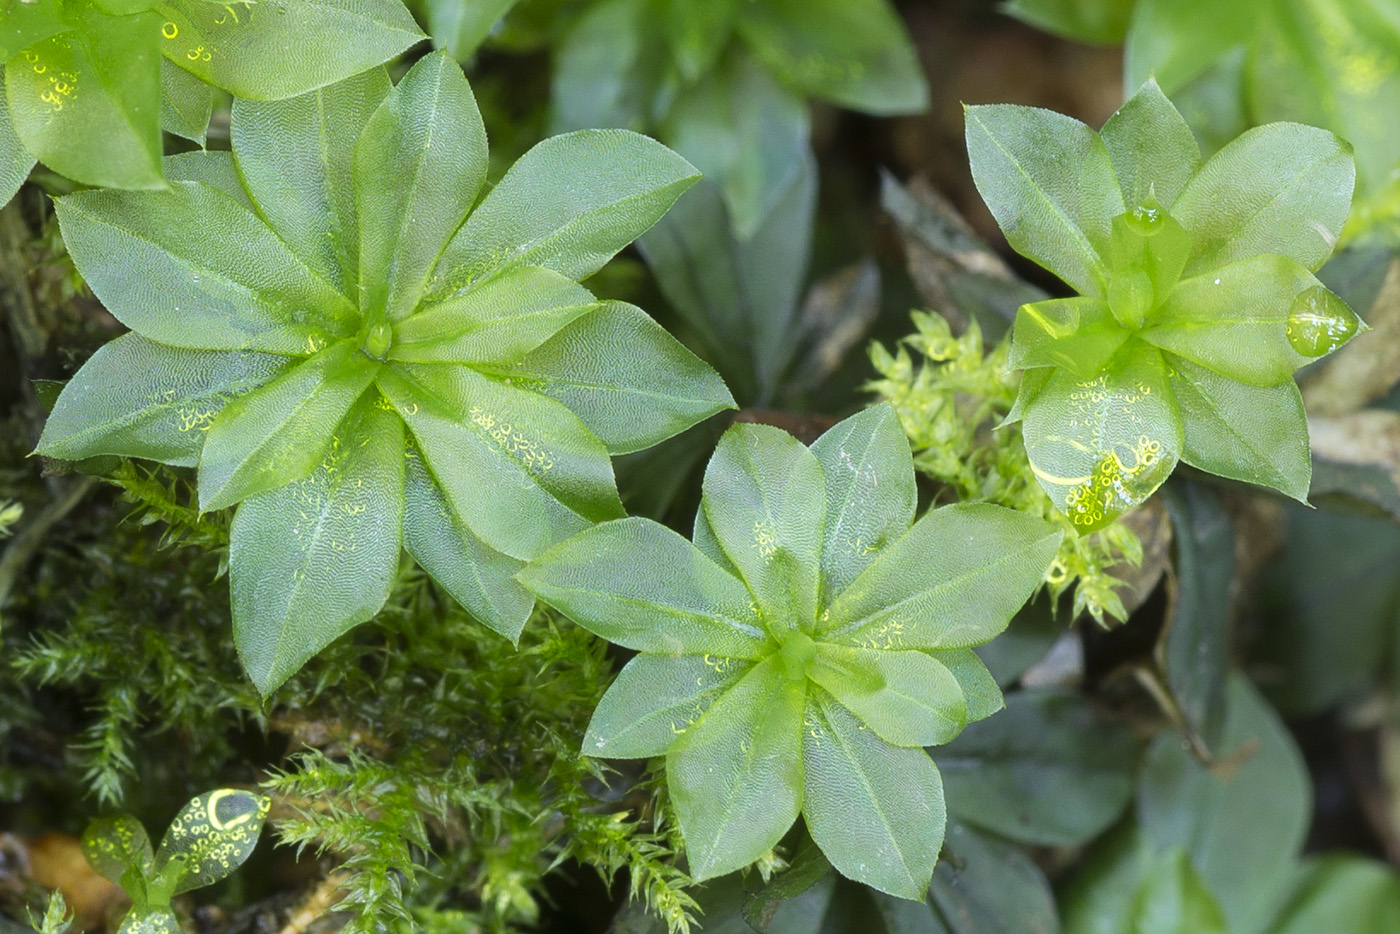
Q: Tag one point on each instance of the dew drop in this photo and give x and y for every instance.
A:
(1147, 218)
(1319, 322)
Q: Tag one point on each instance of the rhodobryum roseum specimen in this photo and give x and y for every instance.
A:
(801, 652)
(211, 837)
(90, 84)
(343, 340)
(1197, 295)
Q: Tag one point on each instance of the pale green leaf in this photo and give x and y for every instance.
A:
(1154, 154)
(282, 431)
(212, 167)
(1341, 892)
(1250, 433)
(870, 493)
(745, 132)
(137, 398)
(419, 163)
(1235, 320)
(114, 845)
(243, 48)
(905, 698)
(568, 204)
(87, 102)
(477, 576)
(735, 776)
(186, 103)
(1101, 446)
(611, 69)
(499, 321)
(1177, 40)
(979, 688)
(313, 559)
(519, 469)
(1097, 22)
(1049, 182)
(654, 701)
(15, 160)
(855, 53)
(1172, 899)
(765, 501)
(624, 376)
(1282, 188)
(606, 579)
(1076, 334)
(952, 581)
(26, 24)
(874, 809)
(296, 156)
(459, 26)
(212, 836)
(698, 33)
(213, 275)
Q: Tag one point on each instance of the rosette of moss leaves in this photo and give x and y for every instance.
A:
(343, 340)
(88, 85)
(797, 656)
(1197, 299)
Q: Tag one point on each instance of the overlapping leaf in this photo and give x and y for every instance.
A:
(90, 85)
(1198, 296)
(342, 345)
(803, 649)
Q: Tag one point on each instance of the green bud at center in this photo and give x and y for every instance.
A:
(376, 339)
(798, 649)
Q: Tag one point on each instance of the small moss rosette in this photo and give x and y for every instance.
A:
(797, 656)
(1197, 299)
(366, 348)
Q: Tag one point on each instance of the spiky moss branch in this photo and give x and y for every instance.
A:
(951, 394)
(446, 772)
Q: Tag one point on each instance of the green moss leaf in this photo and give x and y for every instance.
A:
(310, 560)
(186, 103)
(1101, 446)
(27, 24)
(86, 102)
(1050, 184)
(765, 501)
(602, 577)
(282, 431)
(855, 53)
(296, 156)
(625, 376)
(923, 591)
(245, 50)
(460, 27)
(1282, 188)
(736, 774)
(499, 321)
(611, 69)
(1153, 150)
(114, 846)
(549, 476)
(1236, 320)
(907, 698)
(568, 204)
(214, 276)
(655, 699)
(870, 493)
(747, 133)
(477, 576)
(213, 835)
(697, 33)
(874, 809)
(1250, 433)
(15, 160)
(1098, 22)
(1076, 334)
(419, 162)
(137, 398)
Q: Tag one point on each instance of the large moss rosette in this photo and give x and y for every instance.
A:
(366, 348)
(1197, 295)
(798, 655)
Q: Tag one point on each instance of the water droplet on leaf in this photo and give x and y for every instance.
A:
(1319, 322)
